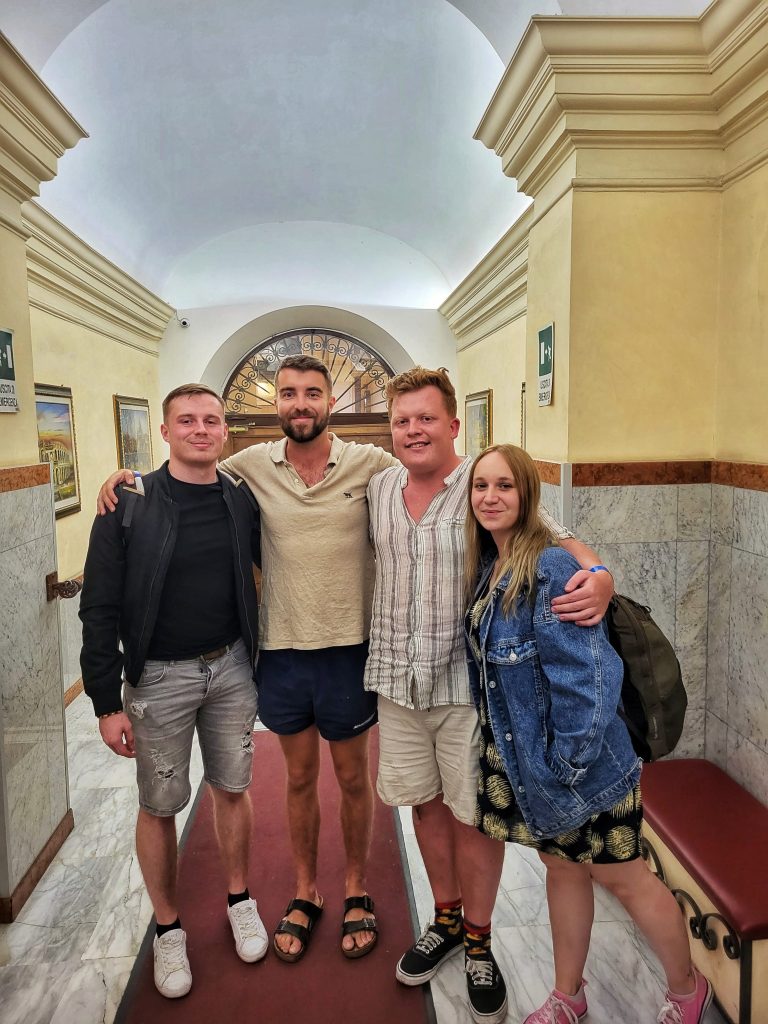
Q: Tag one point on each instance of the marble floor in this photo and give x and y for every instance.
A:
(67, 958)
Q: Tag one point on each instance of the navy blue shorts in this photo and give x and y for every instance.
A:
(323, 688)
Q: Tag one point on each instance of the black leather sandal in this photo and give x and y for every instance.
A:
(302, 932)
(365, 924)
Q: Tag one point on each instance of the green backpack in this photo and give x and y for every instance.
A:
(652, 693)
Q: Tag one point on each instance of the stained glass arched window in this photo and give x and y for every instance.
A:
(359, 374)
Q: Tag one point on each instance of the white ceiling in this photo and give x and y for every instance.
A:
(316, 150)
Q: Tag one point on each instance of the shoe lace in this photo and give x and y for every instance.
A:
(171, 949)
(480, 971)
(670, 1013)
(559, 1012)
(246, 918)
(429, 940)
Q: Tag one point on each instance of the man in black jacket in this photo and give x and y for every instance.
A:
(153, 584)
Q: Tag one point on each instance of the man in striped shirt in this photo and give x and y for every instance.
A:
(428, 729)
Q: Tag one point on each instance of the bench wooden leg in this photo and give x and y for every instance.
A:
(745, 983)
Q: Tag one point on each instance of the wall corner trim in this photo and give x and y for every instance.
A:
(495, 292)
(672, 93)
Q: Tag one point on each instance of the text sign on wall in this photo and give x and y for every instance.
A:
(546, 363)
(8, 401)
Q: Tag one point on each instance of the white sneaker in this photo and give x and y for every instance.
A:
(248, 929)
(173, 977)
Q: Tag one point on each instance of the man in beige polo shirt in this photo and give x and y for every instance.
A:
(318, 575)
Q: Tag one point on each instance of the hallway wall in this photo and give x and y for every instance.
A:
(96, 331)
(742, 367)
(219, 337)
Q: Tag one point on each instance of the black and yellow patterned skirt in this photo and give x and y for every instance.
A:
(611, 837)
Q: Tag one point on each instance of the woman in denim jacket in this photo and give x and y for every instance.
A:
(557, 768)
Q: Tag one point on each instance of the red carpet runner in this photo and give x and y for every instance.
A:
(324, 987)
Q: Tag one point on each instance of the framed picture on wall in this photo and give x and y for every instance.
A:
(56, 445)
(132, 433)
(478, 421)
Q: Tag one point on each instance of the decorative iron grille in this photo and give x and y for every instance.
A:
(359, 375)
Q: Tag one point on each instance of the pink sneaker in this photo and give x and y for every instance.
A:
(688, 1011)
(561, 1009)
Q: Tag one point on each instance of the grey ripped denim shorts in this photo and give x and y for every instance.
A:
(171, 700)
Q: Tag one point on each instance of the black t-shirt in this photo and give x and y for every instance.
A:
(198, 606)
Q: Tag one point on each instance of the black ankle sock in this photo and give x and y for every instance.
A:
(163, 928)
(477, 939)
(237, 897)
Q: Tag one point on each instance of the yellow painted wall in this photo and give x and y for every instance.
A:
(549, 300)
(95, 368)
(18, 430)
(643, 332)
(496, 362)
(742, 422)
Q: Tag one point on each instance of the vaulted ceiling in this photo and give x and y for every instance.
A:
(310, 150)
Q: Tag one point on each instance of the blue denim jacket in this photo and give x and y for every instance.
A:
(553, 689)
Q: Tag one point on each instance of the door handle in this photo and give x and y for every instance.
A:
(67, 588)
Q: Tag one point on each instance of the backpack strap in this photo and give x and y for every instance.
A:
(130, 500)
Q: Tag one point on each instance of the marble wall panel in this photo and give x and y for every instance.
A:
(56, 754)
(748, 658)
(718, 628)
(28, 812)
(694, 511)
(28, 632)
(25, 515)
(613, 515)
(31, 710)
(692, 593)
(551, 499)
(692, 740)
(716, 741)
(722, 514)
(71, 632)
(750, 521)
(646, 572)
(692, 588)
(748, 764)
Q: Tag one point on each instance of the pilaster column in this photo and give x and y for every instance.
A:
(627, 132)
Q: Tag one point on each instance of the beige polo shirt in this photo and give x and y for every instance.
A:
(316, 555)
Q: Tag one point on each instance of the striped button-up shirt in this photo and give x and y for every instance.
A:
(417, 657)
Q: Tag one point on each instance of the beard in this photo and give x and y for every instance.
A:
(304, 432)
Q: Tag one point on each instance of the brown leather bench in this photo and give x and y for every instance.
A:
(707, 838)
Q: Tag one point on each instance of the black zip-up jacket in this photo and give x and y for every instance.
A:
(128, 557)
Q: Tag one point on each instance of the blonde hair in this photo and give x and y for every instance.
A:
(521, 551)
(419, 377)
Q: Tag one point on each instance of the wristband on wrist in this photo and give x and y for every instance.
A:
(109, 714)
(600, 568)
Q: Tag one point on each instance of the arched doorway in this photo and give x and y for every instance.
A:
(359, 377)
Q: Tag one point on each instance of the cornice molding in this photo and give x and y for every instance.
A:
(35, 128)
(494, 293)
(634, 99)
(64, 271)
(60, 311)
